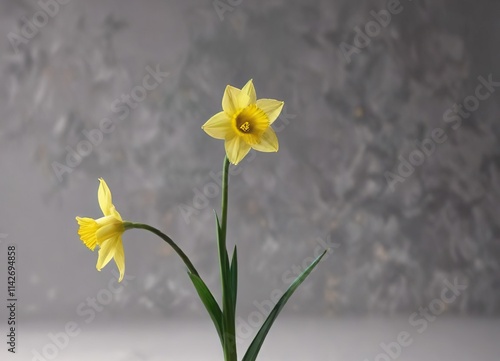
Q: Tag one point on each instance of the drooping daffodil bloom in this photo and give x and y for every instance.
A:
(105, 232)
(245, 122)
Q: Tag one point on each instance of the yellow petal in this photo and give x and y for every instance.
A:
(106, 201)
(268, 142)
(120, 260)
(233, 100)
(271, 107)
(115, 213)
(111, 229)
(87, 231)
(236, 149)
(107, 251)
(104, 197)
(249, 90)
(219, 126)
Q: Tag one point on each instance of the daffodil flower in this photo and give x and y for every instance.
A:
(245, 122)
(105, 232)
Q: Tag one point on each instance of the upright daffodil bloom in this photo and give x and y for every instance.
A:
(105, 232)
(245, 122)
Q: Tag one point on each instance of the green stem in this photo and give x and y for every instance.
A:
(230, 352)
(225, 186)
(131, 225)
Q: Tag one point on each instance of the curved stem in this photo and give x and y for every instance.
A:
(187, 261)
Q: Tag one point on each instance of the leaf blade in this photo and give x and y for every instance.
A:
(209, 302)
(255, 346)
(234, 278)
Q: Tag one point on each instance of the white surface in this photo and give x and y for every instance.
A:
(298, 339)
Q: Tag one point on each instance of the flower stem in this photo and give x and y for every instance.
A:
(228, 308)
(225, 186)
(182, 255)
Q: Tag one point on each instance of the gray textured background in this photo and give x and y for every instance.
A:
(345, 125)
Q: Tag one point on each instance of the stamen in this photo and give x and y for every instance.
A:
(245, 127)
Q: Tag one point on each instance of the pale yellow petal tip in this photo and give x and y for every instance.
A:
(282, 104)
(227, 90)
(276, 146)
(103, 184)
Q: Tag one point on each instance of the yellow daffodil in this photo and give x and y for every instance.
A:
(105, 232)
(245, 122)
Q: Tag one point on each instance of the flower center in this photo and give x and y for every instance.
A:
(251, 121)
(245, 127)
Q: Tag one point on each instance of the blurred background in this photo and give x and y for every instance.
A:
(388, 155)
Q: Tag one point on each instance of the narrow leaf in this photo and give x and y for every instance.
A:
(227, 307)
(210, 303)
(221, 243)
(257, 342)
(234, 278)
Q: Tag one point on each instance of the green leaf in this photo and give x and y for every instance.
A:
(228, 314)
(221, 243)
(234, 278)
(210, 303)
(257, 342)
